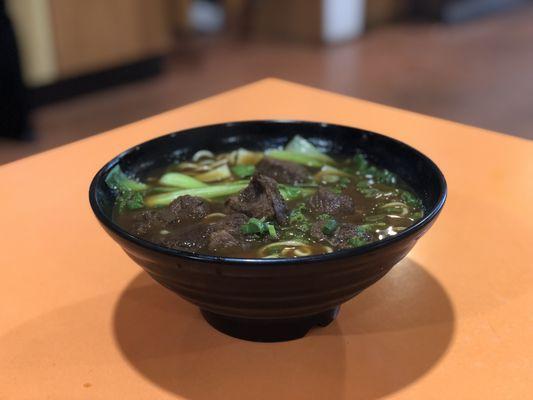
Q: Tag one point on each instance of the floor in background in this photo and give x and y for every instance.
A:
(478, 73)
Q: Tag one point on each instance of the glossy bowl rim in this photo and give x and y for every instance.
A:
(339, 254)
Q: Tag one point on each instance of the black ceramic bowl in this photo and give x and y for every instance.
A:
(271, 299)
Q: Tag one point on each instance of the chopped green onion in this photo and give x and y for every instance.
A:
(294, 192)
(297, 215)
(329, 227)
(324, 217)
(253, 225)
(181, 181)
(243, 171)
(259, 226)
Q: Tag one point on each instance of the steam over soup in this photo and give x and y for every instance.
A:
(280, 203)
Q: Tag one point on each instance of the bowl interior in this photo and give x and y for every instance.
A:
(412, 166)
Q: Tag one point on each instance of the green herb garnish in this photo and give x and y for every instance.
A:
(259, 226)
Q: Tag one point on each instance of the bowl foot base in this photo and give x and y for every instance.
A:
(269, 330)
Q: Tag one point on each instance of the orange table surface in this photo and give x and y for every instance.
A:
(79, 320)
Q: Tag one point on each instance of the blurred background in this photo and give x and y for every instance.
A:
(74, 68)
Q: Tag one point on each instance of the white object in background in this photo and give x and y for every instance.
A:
(35, 38)
(342, 19)
(206, 17)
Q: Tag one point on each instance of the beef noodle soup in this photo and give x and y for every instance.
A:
(280, 203)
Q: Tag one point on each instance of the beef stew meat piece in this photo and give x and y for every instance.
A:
(191, 237)
(260, 199)
(283, 171)
(223, 240)
(146, 221)
(324, 201)
(188, 208)
(227, 232)
(222, 234)
(183, 208)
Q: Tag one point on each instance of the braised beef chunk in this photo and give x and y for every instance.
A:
(326, 202)
(222, 234)
(183, 209)
(188, 208)
(191, 237)
(223, 240)
(149, 220)
(282, 171)
(227, 232)
(342, 235)
(231, 223)
(261, 198)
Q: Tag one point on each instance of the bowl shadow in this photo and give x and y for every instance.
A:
(383, 340)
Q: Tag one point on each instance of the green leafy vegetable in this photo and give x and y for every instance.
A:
(259, 226)
(181, 181)
(298, 144)
(129, 201)
(298, 158)
(243, 171)
(130, 192)
(207, 192)
(116, 179)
